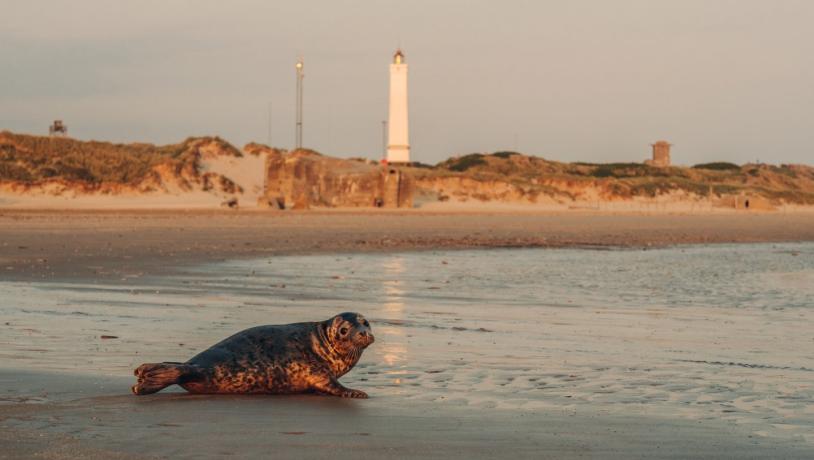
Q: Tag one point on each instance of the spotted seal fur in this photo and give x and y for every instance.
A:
(274, 359)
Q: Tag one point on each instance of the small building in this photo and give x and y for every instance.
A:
(58, 128)
(661, 154)
(746, 202)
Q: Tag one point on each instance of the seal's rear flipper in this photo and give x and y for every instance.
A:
(154, 377)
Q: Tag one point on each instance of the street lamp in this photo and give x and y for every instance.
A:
(300, 74)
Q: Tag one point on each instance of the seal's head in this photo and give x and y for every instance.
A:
(349, 332)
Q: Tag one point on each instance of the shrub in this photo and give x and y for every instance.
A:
(717, 166)
(11, 171)
(465, 162)
(622, 170)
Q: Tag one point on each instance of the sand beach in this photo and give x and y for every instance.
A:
(39, 244)
(530, 335)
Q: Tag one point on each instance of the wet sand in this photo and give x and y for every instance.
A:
(110, 244)
(157, 282)
(92, 418)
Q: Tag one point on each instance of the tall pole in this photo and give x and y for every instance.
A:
(384, 139)
(300, 75)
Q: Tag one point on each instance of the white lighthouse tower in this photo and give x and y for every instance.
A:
(398, 141)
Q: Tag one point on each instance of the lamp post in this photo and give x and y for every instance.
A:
(300, 74)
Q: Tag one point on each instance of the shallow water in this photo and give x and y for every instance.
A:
(701, 332)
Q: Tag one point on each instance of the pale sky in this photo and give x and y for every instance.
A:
(566, 80)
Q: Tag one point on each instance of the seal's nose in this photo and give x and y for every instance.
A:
(367, 336)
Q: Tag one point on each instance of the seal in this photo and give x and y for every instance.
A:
(274, 359)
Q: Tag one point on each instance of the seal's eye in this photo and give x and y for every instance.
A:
(343, 331)
(366, 323)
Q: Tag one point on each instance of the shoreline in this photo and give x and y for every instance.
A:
(39, 245)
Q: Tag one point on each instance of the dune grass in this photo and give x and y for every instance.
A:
(31, 159)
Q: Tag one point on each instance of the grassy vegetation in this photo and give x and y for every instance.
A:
(504, 154)
(530, 176)
(621, 170)
(31, 159)
(460, 164)
(789, 196)
(35, 159)
(718, 166)
(783, 169)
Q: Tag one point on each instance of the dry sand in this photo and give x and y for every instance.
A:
(113, 244)
(59, 414)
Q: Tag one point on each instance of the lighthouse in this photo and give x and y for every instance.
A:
(398, 141)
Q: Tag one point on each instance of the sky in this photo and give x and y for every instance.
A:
(569, 80)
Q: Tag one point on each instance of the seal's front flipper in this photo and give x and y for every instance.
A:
(154, 377)
(330, 386)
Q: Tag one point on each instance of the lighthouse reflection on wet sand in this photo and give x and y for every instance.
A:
(398, 144)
